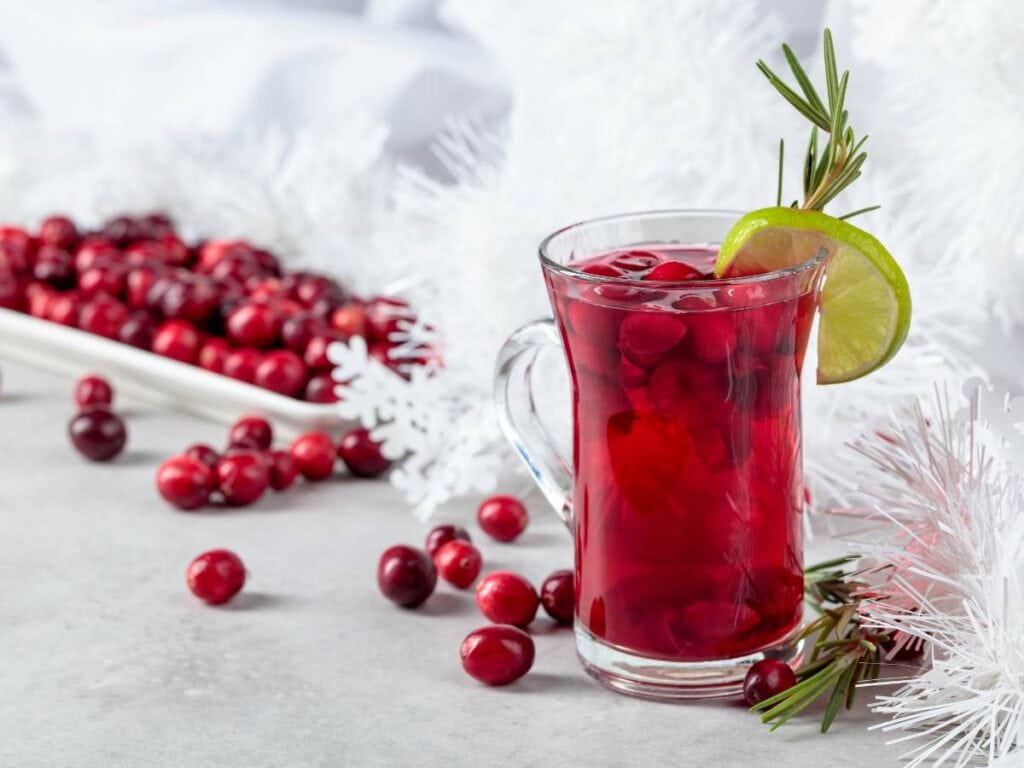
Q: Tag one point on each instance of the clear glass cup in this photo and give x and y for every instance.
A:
(685, 490)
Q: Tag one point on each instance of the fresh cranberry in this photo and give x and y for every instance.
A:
(241, 364)
(97, 434)
(349, 321)
(441, 534)
(213, 251)
(674, 272)
(138, 283)
(138, 331)
(362, 455)
(242, 444)
(497, 655)
(10, 290)
(94, 252)
(16, 245)
(213, 355)
(384, 317)
(103, 316)
(458, 562)
(297, 331)
(242, 477)
(507, 598)
(315, 355)
(38, 297)
(63, 309)
(216, 576)
(314, 454)
(321, 389)
(102, 278)
(765, 679)
(54, 266)
(185, 482)
(254, 428)
(177, 340)
(204, 453)
(156, 224)
(93, 390)
(122, 230)
(558, 596)
(406, 576)
(59, 231)
(281, 371)
(145, 253)
(283, 469)
(502, 517)
(253, 325)
(189, 298)
(176, 252)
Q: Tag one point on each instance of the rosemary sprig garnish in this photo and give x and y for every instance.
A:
(831, 168)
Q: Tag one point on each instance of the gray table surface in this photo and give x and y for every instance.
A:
(107, 660)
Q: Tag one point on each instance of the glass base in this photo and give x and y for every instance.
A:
(663, 680)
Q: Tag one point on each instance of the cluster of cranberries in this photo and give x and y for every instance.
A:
(224, 305)
(502, 652)
(96, 431)
(249, 465)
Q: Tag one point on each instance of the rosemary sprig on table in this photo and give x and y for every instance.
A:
(831, 168)
(843, 651)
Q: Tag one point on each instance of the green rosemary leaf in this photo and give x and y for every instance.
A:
(859, 669)
(859, 211)
(812, 150)
(839, 694)
(834, 562)
(815, 116)
(805, 82)
(831, 71)
(778, 192)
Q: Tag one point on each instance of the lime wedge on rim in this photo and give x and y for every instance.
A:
(864, 310)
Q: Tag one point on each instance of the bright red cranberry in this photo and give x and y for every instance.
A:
(242, 444)
(213, 355)
(384, 317)
(63, 309)
(253, 325)
(502, 517)
(138, 283)
(94, 252)
(314, 454)
(441, 534)
(138, 331)
(349, 320)
(297, 331)
(315, 355)
(93, 390)
(558, 596)
(674, 271)
(102, 278)
(406, 576)
(765, 679)
(38, 297)
(177, 340)
(216, 576)
(213, 251)
(145, 253)
(185, 482)
(97, 434)
(321, 389)
(176, 252)
(458, 562)
(241, 364)
(282, 371)
(362, 455)
(103, 316)
(283, 469)
(497, 655)
(602, 270)
(254, 428)
(242, 477)
(54, 266)
(204, 453)
(16, 245)
(507, 598)
(11, 293)
(59, 231)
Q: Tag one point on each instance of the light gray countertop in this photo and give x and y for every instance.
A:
(107, 660)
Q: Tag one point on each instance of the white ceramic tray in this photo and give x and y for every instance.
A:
(155, 379)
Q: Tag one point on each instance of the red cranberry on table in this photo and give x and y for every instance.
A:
(216, 576)
(507, 598)
(243, 477)
(458, 562)
(281, 371)
(314, 455)
(256, 428)
(502, 517)
(321, 389)
(406, 576)
(253, 325)
(558, 596)
(283, 469)
(97, 434)
(185, 482)
(204, 453)
(59, 231)
(765, 679)
(440, 535)
(362, 455)
(497, 655)
(93, 390)
(242, 363)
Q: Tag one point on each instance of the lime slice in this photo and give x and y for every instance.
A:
(864, 312)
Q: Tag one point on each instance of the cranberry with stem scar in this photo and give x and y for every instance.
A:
(507, 598)
(216, 576)
(765, 679)
(497, 655)
(458, 562)
(558, 596)
(255, 428)
(406, 576)
(97, 434)
(93, 390)
(441, 534)
(314, 454)
(362, 454)
(502, 517)
(185, 482)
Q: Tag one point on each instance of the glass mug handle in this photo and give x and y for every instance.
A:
(517, 414)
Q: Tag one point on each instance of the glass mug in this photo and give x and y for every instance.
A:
(685, 491)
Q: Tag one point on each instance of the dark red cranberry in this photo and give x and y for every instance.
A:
(253, 325)
(189, 298)
(242, 477)
(384, 317)
(502, 517)
(17, 246)
(59, 231)
(441, 534)
(138, 283)
(558, 596)
(406, 576)
(63, 309)
(283, 469)
(103, 316)
(314, 455)
(213, 251)
(97, 434)
(315, 355)
(362, 455)
(122, 230)
(349, 321)
(138, 331)
(176, 252)
(216, 576)
(54, 266)
(458, 562)
(241, 364)
(296, 332)
(281, 371)
(497, 655)
(11, 294)
(185, 482)
(213, 355)
(156, 225)
(254, 428)
(102, 278)
(242, 444)
(145, 253)
(765, 679)
(177, 340)
(321, 389)
(204, 453)
(507, 598)
(94, 252)
(93, 390)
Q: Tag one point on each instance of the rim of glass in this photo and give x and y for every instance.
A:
(568, 271)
